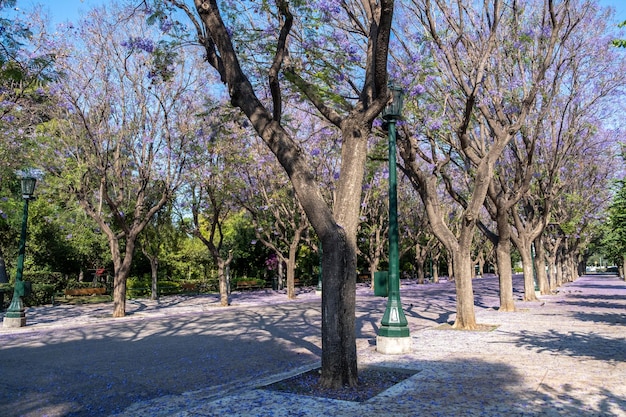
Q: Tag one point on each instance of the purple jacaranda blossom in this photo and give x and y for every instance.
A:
(417, 90)
(139, 43)
(166, 25)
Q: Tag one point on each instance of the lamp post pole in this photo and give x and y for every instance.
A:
(393, 335)
(15, 316)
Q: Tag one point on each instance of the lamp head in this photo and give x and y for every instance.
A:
(393, 109)
(28, 186)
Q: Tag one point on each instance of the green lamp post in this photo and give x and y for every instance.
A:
(393, 335)
(15, 316)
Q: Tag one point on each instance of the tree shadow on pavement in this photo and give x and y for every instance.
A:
(606, 318)
(574, 344)
(460, 387)
(101, 369)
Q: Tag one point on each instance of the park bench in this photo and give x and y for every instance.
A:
(364, 278)
(85, 291)
(189, 287)
(77, 293)
(248, 285)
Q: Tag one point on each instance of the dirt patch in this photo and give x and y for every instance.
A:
(372, 381)
(479, 328)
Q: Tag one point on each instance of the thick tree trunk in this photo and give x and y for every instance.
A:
(465, 314)
(339, 361)
(339, 358)
(122, 271)
(436, 270)
(119, 288)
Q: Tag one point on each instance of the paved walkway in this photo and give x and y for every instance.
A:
(562, 356)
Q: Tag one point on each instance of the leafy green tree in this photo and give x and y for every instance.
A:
(24, 73)
(154, 240)
(614, 240)
(249, 256)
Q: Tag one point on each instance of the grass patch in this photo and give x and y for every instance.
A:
(372, 381)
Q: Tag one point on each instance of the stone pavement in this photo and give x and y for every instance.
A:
(562, 356)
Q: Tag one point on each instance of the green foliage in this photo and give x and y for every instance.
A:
(614, 240)
(620, 43)
(45, 285)
(248, 254)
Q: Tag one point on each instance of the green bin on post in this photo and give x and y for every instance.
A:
(381, 283)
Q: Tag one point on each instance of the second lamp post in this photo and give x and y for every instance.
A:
(393, 335)
(15, 316)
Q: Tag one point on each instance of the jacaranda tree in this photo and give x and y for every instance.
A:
(289, 42)
(123, 127)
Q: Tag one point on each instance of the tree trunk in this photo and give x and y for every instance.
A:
(465, 315)
(505, 274)
(373, 265)
(420, 273)
(291, 271)
(436, 270)
(122, 271)
(421, 254)
(154, 267)
(223, 282)
(481, 266)
(559, 269)
(540, 267)
(529, 277)
(339, 359)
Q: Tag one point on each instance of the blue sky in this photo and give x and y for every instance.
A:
(62, 10)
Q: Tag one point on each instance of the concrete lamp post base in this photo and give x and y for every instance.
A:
(13, 322)
(393, 345)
